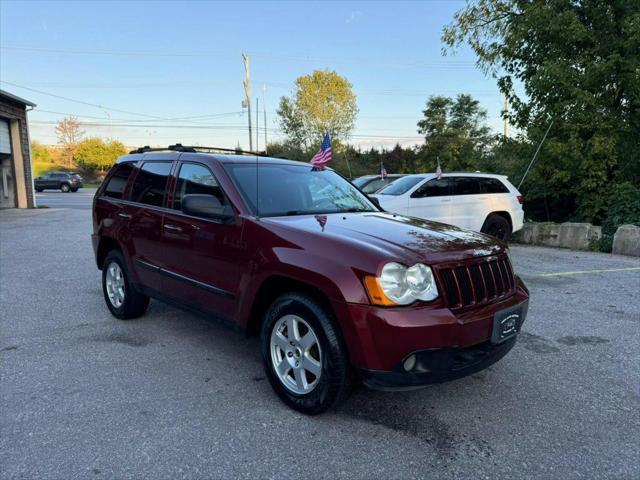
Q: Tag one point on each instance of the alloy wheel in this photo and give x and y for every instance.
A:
(115, 284)
(295, 354)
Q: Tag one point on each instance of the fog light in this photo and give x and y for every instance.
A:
(410, 362)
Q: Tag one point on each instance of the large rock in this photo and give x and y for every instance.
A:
(626, 240)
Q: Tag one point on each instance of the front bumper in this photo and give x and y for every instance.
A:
(438, 365)
(448, 344)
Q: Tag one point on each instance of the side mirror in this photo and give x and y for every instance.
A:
(376, 202)
(207, 206)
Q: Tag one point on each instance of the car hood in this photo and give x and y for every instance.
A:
(402, 237)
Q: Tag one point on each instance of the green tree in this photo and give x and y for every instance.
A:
(40, 153)
(321, 102)
(576, 64)
(455, 132)
(95, 154)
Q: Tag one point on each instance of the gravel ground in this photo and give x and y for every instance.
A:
(172, 395)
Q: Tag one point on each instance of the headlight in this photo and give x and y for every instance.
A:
(399, 285)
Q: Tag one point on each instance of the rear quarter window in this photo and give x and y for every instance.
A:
(493, 185)
(116, 184)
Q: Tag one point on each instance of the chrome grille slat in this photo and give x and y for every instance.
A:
(477, 283)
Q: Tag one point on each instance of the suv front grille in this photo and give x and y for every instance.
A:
(477, 283)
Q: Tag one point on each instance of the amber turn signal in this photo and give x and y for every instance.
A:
(375, 292)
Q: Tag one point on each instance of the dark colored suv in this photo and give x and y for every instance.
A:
(332, 285)
(67, 182)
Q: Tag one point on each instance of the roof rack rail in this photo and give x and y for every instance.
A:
(178, 147)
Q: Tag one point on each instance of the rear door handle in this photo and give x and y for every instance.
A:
(125, 215)
(172, 228)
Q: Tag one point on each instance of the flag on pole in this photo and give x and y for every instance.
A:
(324, 155)
(383, 171)
(439, 170)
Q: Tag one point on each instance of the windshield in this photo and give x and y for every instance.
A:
(400, 186)
(359, 182)
(296, 190)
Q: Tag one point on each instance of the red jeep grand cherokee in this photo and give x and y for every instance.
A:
(332, 284)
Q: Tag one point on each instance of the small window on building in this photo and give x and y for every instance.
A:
(196, 179)
(465, 186)
(117, 183)
(493, 185)
(150, 184)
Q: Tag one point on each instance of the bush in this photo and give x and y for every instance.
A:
(623, 207)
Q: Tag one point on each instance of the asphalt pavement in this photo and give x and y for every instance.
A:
(56, 199)
(173, 395)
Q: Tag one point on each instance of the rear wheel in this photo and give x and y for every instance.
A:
(498, 227)
(303, 355)
(122, 299)
(65, 187)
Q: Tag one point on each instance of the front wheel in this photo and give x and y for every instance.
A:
(303, 355)
(123, 300)
(65, 188)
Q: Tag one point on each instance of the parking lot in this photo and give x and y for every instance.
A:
(172, 395)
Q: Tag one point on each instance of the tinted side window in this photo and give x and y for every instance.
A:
(433, 188)
(196, 179)
(493, 185)
(465, 186)
(150, 184)
(115, 187)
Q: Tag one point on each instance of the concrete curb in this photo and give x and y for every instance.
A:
(576, 236)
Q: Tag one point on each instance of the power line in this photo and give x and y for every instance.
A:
(80, 101)
(434, 64)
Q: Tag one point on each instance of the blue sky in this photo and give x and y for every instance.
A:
(159, 62)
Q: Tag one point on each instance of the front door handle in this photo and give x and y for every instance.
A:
(125, 216)
(172, 228)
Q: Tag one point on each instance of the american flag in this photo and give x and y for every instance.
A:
(439, 170)
(324, 155)
(383, 171)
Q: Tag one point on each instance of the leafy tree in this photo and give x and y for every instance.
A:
(69, 136)
(322, 101)
(455, 132)
(40, 153)
(576, 63)
(95, 154)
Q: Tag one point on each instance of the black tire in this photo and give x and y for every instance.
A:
(65, 188)
(333, 383)
(135, 303)
(497, 226)
(39, 190)
(74, 190)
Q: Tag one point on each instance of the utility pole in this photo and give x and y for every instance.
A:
(264, 106)
(257, 127)
(247, 98)
(506, 117)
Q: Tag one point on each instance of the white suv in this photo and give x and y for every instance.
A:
(475, 201)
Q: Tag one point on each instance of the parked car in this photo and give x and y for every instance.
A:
(332, 285)
(64, 181)
(372, 183)
(476, 201)
(79, 178)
